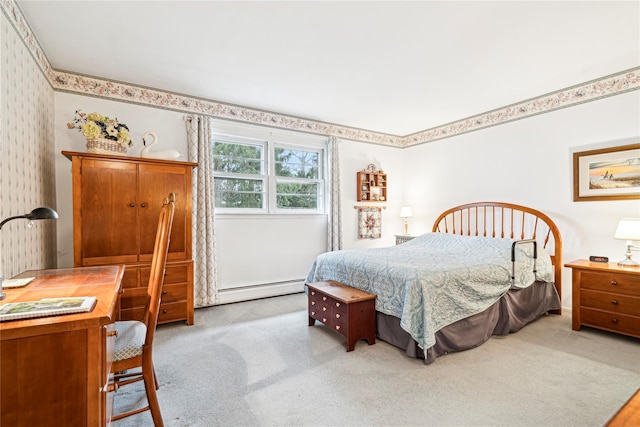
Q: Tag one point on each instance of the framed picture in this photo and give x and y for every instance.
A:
(607, 174)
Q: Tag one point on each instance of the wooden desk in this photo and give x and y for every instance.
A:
(55, 370)
(628, 415)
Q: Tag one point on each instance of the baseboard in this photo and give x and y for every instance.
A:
(247, 293)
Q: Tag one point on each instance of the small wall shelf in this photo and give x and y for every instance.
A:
(371, 186)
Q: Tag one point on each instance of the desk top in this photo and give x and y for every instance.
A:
(103, 282)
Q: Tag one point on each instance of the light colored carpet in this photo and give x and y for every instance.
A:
(257, 363)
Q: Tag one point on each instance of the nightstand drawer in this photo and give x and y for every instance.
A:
(615, 322)
(616, 303)
(611, 282)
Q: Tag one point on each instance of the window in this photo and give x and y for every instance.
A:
(268, 176)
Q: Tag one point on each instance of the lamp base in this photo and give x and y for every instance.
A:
(628, 262)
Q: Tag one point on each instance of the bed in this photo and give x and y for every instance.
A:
(487, 268)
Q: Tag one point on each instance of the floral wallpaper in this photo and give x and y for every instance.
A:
(615, 84)
(26, 156)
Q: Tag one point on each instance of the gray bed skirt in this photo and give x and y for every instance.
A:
(509, 314)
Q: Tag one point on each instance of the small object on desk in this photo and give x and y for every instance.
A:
(16, 283)
(594, 258)
(46, 307)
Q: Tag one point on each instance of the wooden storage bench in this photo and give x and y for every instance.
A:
(350, 312)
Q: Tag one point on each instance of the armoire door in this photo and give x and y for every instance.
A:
(155, 182)
(109, 212)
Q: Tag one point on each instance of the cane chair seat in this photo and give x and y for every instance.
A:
(131, 336)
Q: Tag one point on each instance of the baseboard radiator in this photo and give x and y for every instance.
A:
(263, 290)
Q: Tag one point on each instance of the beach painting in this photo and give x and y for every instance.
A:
(609, 173)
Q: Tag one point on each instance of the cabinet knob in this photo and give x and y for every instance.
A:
(338, 316)
(324, 320)
(337, 304)
(164, 311)
(614, 283)
(144, 205)
(313, 293)
(614, 320)
(133, 205)
(313, 313)
(164, 292)
(313, 303)
(338, 327)
(324, 308)
(112, 333)
(324, 298)
(614, 301)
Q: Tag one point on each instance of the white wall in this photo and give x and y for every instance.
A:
(529, 162)
(355, 156)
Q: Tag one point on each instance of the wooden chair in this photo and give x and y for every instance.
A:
(134, 339)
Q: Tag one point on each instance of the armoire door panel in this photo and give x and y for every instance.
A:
(109, 197)
(155, 182)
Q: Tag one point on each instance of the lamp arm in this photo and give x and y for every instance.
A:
(11, 218)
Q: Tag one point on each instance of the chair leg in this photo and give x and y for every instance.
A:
(155, 379)
(150, 383)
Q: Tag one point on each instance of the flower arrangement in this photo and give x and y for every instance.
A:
(95, 125)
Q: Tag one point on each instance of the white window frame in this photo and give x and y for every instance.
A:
(271, 139)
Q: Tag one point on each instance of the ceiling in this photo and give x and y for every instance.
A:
(386, 66)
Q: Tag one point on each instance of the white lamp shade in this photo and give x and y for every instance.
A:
(405, 212)
(628, 229)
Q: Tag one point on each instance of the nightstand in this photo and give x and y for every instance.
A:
(402, 238)
(605, 296)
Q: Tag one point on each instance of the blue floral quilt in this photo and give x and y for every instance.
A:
(435, 279)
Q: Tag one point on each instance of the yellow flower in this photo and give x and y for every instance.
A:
(123, 135)
(95, 117)
(91, 130)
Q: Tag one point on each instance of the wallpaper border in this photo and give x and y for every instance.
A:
(611, 85)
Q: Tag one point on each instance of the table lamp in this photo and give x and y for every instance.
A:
(405, 212)
(34, 215)
(629, 230)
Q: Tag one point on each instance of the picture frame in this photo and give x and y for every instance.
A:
(611, 173)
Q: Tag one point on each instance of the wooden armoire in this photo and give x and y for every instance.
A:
(116, 204)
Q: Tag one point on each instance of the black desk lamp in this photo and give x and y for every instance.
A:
(34, 215)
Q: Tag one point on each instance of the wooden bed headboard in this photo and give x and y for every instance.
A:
(508, 221)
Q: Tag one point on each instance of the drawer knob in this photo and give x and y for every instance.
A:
(132, 205)
(337, 327)
(164, 311)
(337, 304)
(614, 283)
(144, 205)
(112, 333)
(614, 320)
(338, 316)
(164, 292)
(324, 298)
(614, 301)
